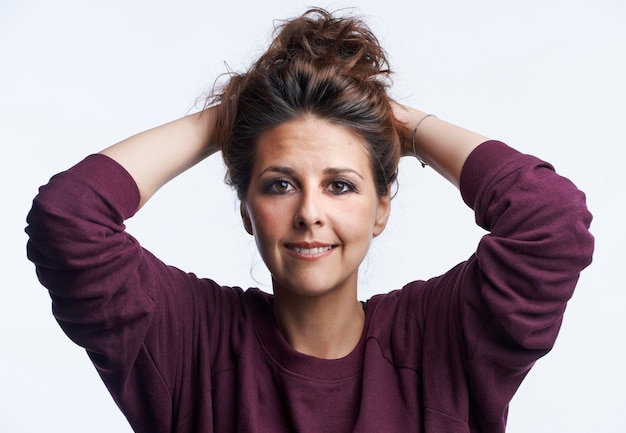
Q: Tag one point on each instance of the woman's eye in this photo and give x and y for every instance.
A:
(340, 187)
(278, 186)
(282, 185)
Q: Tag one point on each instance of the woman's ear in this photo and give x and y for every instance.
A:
(382, 214)
(245, 217)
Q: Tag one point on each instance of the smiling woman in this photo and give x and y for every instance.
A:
(313, 209)
(311, 141)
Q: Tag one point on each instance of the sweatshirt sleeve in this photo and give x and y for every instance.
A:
(83, 255)
(538, 240)
(484, 323)
(142, 323)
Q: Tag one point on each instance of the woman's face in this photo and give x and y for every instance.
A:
(312, 206)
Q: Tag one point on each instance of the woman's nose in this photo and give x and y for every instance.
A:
(309, 212)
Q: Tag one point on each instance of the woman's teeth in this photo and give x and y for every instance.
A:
(316, 250)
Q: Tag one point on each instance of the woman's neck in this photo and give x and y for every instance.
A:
(324, 327)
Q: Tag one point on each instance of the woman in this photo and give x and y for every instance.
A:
(311, 141)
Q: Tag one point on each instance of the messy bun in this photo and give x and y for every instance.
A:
(318, 64)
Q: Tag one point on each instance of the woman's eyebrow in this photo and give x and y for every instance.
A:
(278, 169)
(341, 170)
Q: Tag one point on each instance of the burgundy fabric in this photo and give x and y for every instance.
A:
(184, 354)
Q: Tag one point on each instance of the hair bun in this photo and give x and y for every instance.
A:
(319, 38)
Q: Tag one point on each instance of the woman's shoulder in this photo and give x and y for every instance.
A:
(416, 294)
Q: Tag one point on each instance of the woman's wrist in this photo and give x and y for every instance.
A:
(414, 142)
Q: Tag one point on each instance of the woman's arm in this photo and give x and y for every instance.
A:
(156, 156)
(489, 319)
(131, 312)
(440, 144)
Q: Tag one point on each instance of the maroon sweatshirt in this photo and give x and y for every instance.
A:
(183, 354)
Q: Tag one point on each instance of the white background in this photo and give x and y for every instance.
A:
(547, 77)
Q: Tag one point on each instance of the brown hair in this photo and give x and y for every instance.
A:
(318, 64)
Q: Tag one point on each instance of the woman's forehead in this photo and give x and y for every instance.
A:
(310, 142)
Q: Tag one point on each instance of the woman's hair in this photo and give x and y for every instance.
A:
(318, 65)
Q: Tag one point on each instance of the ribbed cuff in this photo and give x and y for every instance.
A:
(479, 166)
(115, 184)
